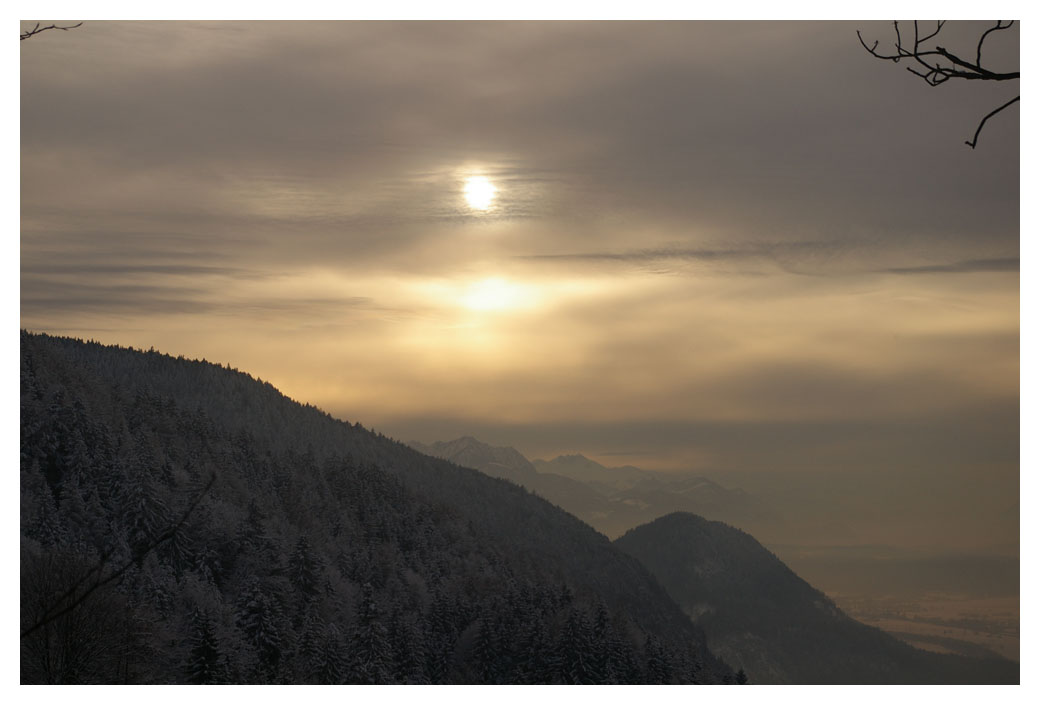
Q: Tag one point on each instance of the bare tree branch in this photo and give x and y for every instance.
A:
(974, 71)
(940, 65)
(37, 29)
(938, 28)
(999, 26)
(975, 139)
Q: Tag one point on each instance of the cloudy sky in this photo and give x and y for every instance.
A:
(745, 249)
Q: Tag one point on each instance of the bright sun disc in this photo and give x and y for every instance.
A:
(479, 192)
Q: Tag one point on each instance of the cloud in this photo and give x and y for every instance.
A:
(41, 298)
(138, 268)
(999, 264)
(288, 199)
(809, 258)
(653, 122)
(779, 252)
(646, 255)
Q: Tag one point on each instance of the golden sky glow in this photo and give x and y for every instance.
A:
(561, 237)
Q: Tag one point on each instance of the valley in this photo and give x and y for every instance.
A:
(956, 604)
(942, 622)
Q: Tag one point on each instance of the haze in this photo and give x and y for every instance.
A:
(748, 250)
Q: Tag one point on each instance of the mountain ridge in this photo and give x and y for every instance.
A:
(497, 461)
(762, 617)
(611, 499)
(322, 552)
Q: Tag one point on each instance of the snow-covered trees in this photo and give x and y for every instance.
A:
(305, 571)
(371, 655)
(321, 553)
(87, 644)
(206, 660)
(262, 623)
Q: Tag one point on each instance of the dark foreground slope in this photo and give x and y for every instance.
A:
(320, 552)
(761, 617)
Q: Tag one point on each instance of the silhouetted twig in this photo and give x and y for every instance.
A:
(974, 140)
(37, 29)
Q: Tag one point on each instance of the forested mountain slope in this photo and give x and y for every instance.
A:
(253, 539)
(764, 619)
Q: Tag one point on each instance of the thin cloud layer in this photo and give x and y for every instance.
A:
(999, 264)
(719, 246)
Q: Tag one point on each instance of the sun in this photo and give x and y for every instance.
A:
(479, 192)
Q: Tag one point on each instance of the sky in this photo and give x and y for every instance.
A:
(747, 250)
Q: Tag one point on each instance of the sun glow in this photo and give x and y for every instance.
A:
(494, 295)
(479, 192)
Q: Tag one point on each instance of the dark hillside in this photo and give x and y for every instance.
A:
(761, 617)
(322, 552)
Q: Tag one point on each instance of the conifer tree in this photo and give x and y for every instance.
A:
(206, 662)
(39, 513)
(260, 619)
(410, 637)
(304, 570)
(329, 665)
(575, 649)
(145, 513)
(309, 641)
(605, 659)
(180, 551)
(371, 644)
(486, 650)
(658, 668)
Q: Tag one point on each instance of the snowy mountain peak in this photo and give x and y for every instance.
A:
(469, 452)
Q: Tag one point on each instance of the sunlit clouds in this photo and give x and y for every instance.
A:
(652, 239)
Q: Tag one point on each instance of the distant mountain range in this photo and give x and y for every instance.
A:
(611, 499)
(578, 467)
(468, 452)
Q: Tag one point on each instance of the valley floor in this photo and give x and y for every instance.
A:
(941, 622)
